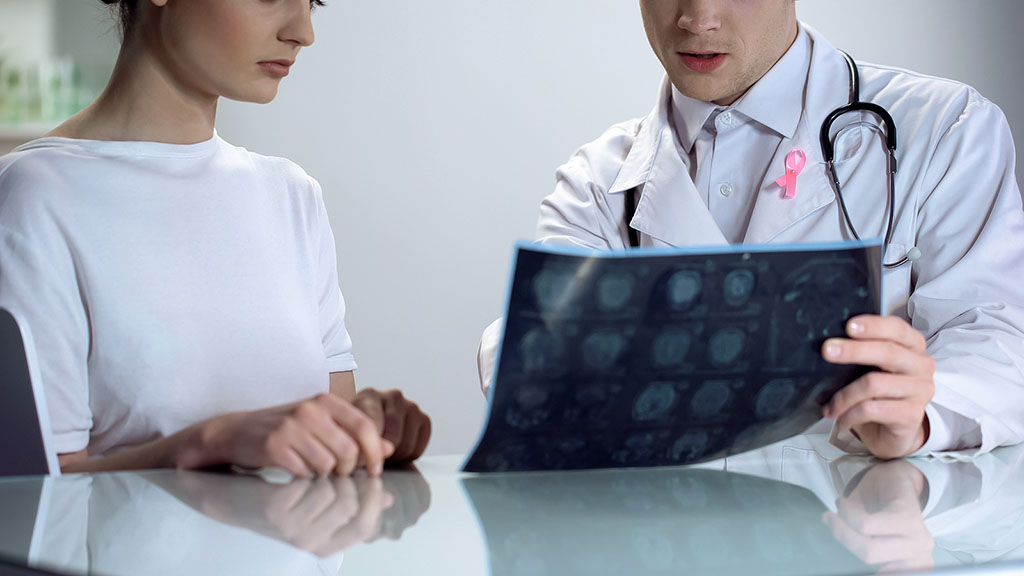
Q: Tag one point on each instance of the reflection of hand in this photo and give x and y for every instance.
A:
(880, 519)
(885, 408)
(321, 515)
(399, 421)
(412, 499)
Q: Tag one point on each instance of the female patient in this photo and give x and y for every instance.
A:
(182, 292)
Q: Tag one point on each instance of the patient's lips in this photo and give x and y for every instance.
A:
(276, 68)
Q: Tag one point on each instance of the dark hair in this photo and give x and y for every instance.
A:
(127, 11)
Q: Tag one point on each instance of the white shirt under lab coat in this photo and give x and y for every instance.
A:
(957, 200)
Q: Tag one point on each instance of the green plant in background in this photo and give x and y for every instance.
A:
(47, 92)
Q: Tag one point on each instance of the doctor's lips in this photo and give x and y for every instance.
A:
(703, 61)
(276, 68)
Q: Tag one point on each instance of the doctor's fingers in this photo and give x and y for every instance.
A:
(893, 328)
(879, 386)
(886, 355)
(924, 564)
(900, 516)
(915, 547)
(889, 428)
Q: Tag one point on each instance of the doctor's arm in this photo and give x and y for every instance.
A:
(578, 213)
(967, 301)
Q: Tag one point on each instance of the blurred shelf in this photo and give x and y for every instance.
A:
(23, 132)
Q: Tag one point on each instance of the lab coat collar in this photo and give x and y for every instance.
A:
(668, 196)
(827, 88)
(670, 210)
(776, 101)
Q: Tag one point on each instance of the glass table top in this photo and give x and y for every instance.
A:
(797, 507)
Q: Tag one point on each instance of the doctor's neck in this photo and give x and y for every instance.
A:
(758, 72)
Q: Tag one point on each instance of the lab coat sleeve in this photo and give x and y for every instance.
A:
(968, 287)
(580, 212)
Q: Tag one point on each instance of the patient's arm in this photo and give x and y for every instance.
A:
(322, 435)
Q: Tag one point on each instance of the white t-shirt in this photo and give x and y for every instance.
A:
(165, 284)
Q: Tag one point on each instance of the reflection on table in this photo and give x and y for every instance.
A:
(186, 522)
(796, 507)
(654, 521)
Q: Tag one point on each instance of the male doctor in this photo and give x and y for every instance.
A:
(747, 89)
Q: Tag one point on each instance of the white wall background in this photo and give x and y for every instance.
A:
(435, 128)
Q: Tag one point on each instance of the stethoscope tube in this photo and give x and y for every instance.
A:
(828, 154)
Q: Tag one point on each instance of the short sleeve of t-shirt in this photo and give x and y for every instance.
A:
(337, 342)
(38, 280)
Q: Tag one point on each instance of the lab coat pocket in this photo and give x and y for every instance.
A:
(896, 281)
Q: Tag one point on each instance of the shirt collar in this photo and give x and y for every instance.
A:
(689, 117)
(775, 101)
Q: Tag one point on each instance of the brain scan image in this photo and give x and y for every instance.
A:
(726, 346)
(668, 357)
(774, 397)
(737, 287)
(654, 402)
(671, 346)
(531, 408)
(684, 288)
(541, 351)
(602, 349)
(614, 291)
(690, 446)
(551, 288)
(710, 398)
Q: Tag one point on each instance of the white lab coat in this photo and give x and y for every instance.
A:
(957, 199)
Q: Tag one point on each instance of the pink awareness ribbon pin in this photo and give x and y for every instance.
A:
(795, 162)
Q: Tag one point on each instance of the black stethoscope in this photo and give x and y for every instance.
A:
(828, 153)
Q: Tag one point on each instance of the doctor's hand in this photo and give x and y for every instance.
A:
(398, 420)
(884, 408)
(880, 520)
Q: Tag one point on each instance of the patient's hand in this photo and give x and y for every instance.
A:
(321, 435)
(399, 421)
(881, 522)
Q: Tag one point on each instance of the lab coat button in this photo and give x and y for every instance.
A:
(725, 189)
